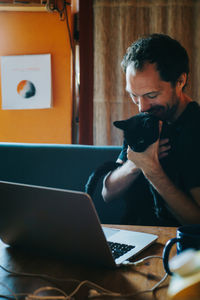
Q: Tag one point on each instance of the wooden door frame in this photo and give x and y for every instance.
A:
(86, 72)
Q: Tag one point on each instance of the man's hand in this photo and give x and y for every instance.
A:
(164, 148)
(147, 160)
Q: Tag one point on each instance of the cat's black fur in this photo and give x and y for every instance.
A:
(140, 131)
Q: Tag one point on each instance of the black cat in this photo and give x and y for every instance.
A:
(140, 131)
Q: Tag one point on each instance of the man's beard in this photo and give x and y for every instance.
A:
(164, 113)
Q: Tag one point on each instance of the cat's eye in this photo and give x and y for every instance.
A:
(140, 141)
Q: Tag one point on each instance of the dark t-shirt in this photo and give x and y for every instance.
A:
(182, 164)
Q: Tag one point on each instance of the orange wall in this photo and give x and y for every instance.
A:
(38, 33)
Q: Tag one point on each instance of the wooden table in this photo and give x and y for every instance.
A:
(130, 279)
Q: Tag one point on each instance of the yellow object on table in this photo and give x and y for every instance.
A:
(185, 281)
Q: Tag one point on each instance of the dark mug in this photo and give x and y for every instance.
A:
(187, 236)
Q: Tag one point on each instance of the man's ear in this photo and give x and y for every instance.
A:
(182, 80)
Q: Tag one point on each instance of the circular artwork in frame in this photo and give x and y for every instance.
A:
(26, 89)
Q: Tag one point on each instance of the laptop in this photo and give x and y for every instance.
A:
(63, 223)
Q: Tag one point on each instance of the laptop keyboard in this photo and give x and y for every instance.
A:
(119, 249)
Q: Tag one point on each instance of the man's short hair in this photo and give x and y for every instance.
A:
(168, 54)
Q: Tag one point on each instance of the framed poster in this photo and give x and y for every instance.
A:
(26, 81)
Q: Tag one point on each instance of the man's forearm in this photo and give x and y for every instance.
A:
(184, 207)
(119, 180)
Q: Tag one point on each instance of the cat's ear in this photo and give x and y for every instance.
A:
(120, 124)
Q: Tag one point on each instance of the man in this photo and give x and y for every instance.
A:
(157, 70)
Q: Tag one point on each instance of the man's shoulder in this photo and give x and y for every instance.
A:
(191, 116)
(191, 127)
(187, 128)
(193, 108)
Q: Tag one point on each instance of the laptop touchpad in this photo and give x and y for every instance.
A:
(109, 231)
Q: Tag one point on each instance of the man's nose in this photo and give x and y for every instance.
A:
(143, 104)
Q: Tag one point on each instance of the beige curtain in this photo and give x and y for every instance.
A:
(117, 23)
